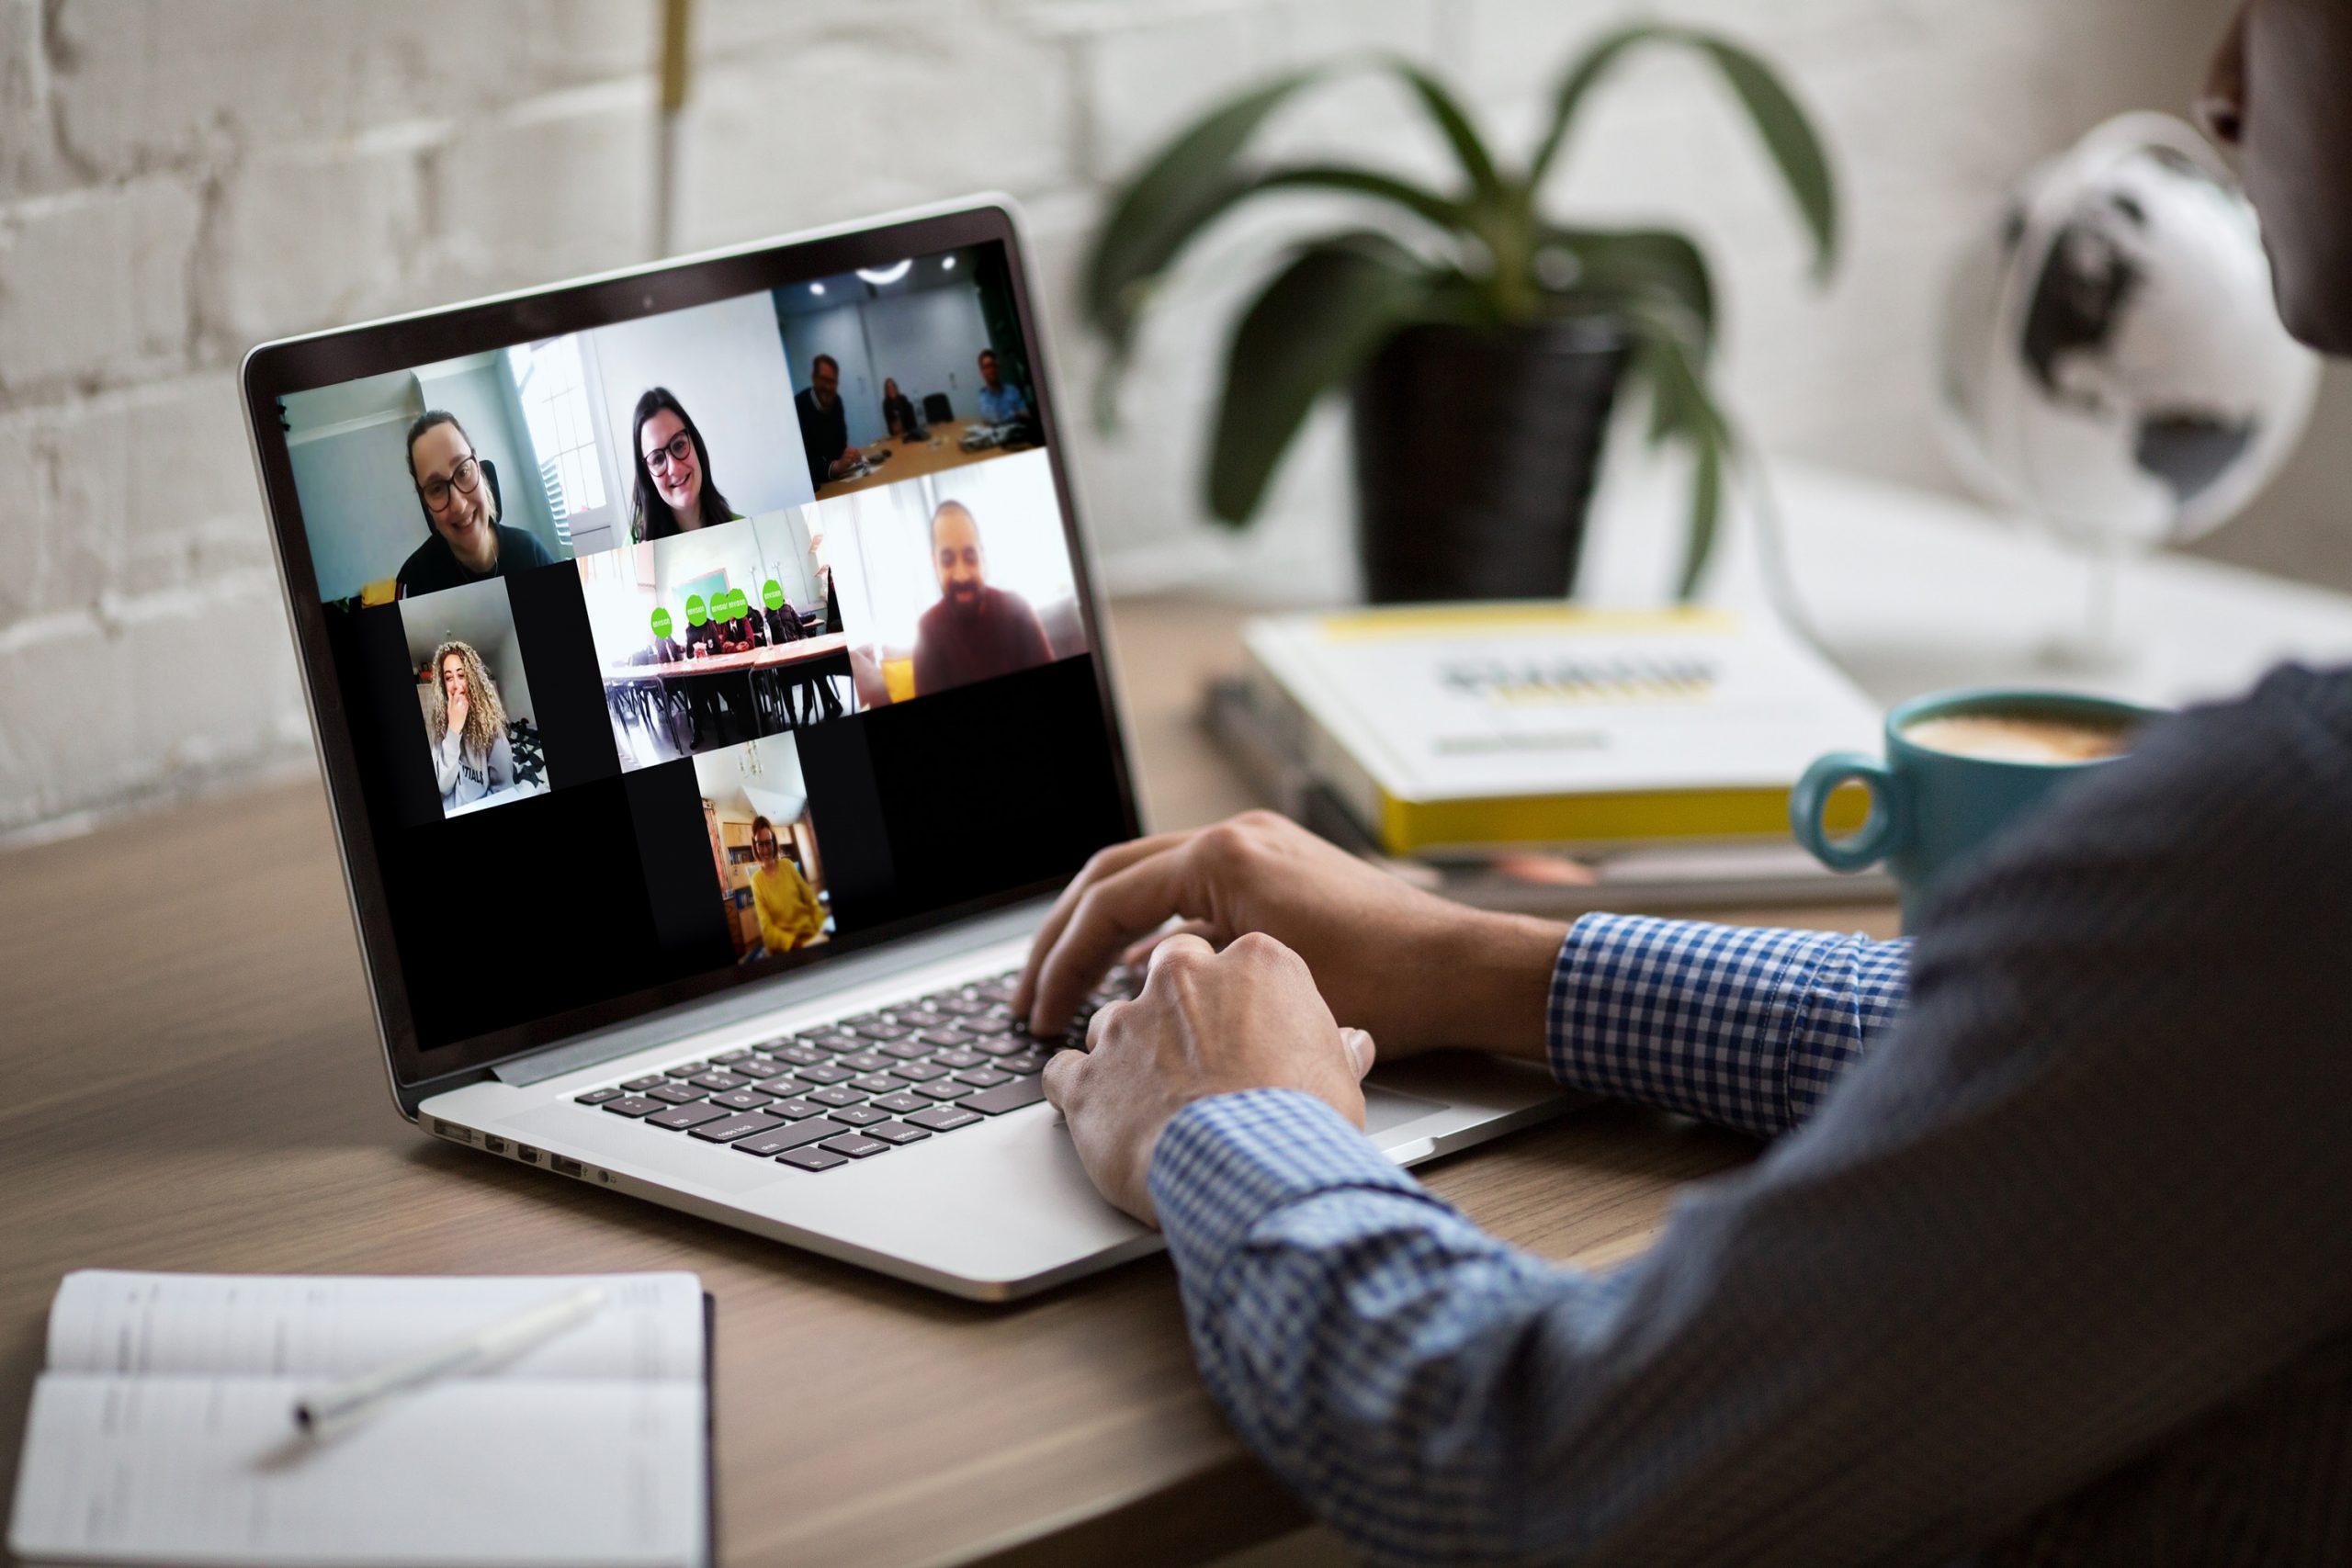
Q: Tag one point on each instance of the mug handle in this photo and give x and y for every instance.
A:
(1888, 824)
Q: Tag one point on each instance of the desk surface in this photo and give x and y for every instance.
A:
(193, 1085)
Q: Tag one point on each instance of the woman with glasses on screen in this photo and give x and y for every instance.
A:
(471, 756)
(460, 500)
(674, 492)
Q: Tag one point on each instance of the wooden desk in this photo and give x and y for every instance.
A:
(944, 449)
(193, 1083)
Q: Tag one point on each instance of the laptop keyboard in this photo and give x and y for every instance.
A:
(859, 1086)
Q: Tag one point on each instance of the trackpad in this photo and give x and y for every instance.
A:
(1385, 1108)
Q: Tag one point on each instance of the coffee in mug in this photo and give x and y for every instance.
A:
(2019, 737)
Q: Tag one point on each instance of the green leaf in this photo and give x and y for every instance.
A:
(1189, 181)
(1312, 329)
(1486, 182)
(1787, 132)
(1654, 265)
(1706, 513)
(1789, 136)
(1577, 84)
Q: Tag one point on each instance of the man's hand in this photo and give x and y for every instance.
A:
(1205, 1023)
(1417, 970)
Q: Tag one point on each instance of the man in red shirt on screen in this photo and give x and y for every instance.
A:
(975, 631)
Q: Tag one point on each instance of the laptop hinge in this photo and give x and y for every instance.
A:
(830, 977)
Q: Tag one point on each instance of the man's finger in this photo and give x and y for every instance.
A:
(1177, 942)
(1099, 1022)
(1118, 857)
(1116, 910)
(1062, 1078)
(1360, 1048)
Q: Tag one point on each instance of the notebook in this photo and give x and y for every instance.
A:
(161, 1430)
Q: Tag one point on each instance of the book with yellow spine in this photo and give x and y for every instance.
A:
(1462, 726)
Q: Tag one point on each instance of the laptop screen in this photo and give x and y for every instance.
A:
(685, 649)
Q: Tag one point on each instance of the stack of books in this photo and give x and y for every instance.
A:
(1550, 759)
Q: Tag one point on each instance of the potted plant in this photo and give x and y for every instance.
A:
(1483, 340)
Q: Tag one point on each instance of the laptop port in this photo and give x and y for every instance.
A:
(451, 1130)
(526, 1153)
(564, 1166)
(495, 1146)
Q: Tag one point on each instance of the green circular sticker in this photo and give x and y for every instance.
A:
(737, 605)
(773, 595)
(697, 614)
(661, 623)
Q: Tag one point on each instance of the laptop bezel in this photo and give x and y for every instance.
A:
(288, 365)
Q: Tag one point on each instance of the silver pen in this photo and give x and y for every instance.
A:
(336, 1406)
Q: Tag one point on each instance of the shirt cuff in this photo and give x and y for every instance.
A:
(1225, 1163)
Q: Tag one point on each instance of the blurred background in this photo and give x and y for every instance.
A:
(180, 181)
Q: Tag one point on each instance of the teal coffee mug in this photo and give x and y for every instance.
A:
(1959, 767)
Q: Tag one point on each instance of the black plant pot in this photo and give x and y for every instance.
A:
(1476, 455)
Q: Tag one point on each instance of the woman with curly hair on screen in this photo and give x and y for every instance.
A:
(472, 758)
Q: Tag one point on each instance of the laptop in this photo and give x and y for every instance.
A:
(697, 914)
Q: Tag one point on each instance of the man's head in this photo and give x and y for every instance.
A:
(956, 555)
(2276, 94)
(825, 379)
(988, 368)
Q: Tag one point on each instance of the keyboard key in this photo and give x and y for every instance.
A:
(827, 1074)
(883, 1031)
(802, 1055)
(723, 1057)
(832, 1039)
(687, 1069)
(777, 1139)
(946, 1038)
(597, 1096)
(996, 1101)
(852, 1024)
(984, 1025)
(717, 1082)
(675, 1093)
(857, 1146)
(983, 1078)
(907, 1051)
(638, 1086)
(878, 1083)
(959, 1058)
(1002, 1045)
(734, 1127)
(919, 1072)
(742, 1099)
(964, 1007)
(865, 1061)
(839, 1094)
(683, 1116)
(900, 1103)
(858, 1115)
(812, 1159)
(895, 1132)
(633, 1105)
(793, 1109)
(950, 1090)
(1027, 1062)
(944, 1118)
(758, 1069)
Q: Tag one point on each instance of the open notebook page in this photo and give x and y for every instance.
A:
(163, 1432)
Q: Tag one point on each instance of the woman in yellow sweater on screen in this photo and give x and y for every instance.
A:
(790, 915)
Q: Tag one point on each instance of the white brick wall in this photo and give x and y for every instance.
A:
(179, 178)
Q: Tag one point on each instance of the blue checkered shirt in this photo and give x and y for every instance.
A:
(2053, 1265)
